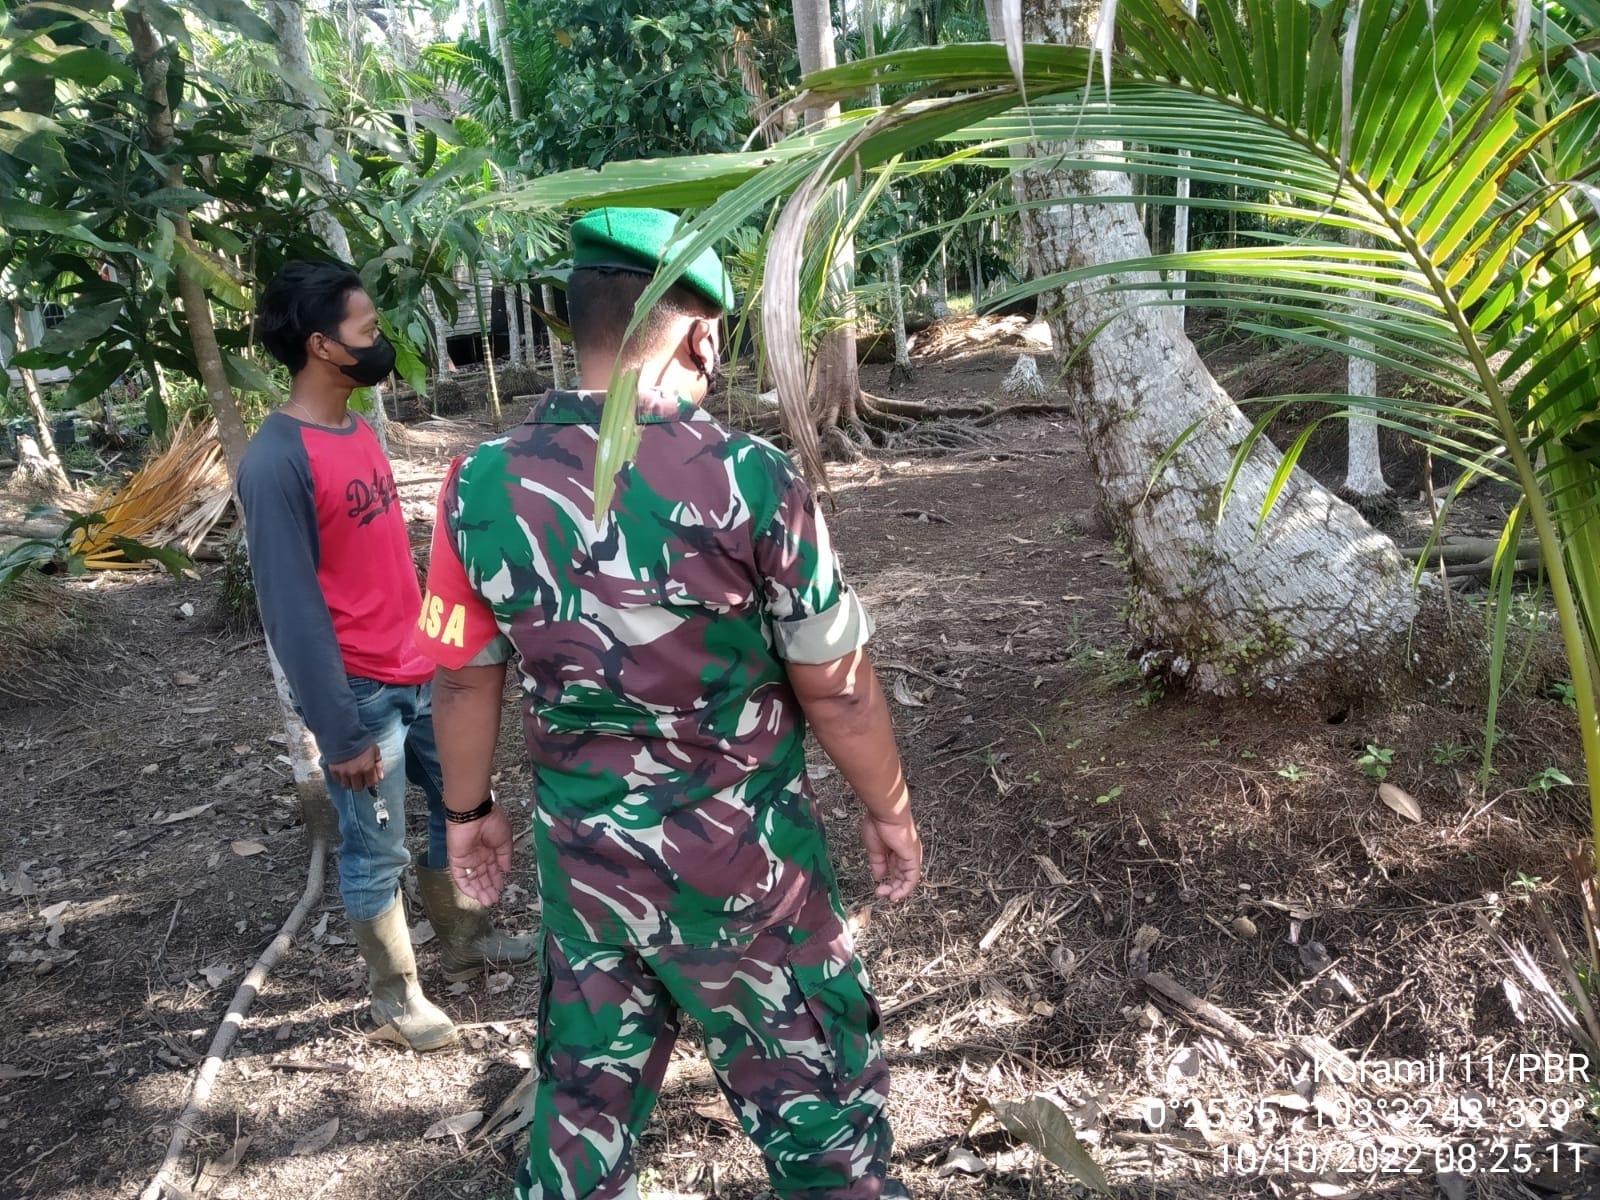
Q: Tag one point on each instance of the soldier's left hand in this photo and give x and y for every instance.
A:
(480, 855)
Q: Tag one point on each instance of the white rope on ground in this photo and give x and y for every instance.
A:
(233, 1021)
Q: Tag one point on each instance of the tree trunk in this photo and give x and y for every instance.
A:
(836, 375)
(1316, 600)
(1363, 478)
(404, 54)
(558, 360)
(441, 334)
(151, 58)
(1180, 216)
(755, 87)
(525, 299)
(305, 761)
(486, 333)
(514, 323)
(499, 33)
(813, 31)
(353, 39)
(55, 473)
(901, 371)
(312, 139)
(315, 147)
(941, 286)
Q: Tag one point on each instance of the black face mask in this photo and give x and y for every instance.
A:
(373, 364)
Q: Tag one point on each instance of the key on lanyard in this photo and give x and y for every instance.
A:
(379, 808)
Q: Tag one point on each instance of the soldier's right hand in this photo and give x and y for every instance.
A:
(894, 852)
(359, 773)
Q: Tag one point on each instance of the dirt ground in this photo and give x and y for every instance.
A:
(1095, 854)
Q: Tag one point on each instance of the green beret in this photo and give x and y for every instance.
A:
(636, 239)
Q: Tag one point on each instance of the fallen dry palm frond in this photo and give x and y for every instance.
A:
(174, 500)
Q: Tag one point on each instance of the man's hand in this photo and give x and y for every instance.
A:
(359, 773)
(894, 851)
(480, 855)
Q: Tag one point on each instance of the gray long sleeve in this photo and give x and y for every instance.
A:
(279, 501)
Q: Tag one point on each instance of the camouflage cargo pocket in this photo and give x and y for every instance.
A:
(839, 997)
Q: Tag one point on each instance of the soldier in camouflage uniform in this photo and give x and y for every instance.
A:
(672, 656)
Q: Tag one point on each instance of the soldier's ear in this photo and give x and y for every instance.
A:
(706, 330)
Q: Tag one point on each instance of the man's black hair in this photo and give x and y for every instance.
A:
(600, 304)
(303, 298)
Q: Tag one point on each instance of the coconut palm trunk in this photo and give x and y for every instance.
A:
(900, 372)
(1364, 485)
(1221, 603)
(836, 375)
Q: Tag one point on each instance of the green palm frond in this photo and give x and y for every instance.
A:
(469, 70)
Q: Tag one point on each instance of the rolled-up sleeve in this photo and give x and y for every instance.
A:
(815, 616)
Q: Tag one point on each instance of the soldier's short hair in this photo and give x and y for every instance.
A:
(303, 298)
(600, 303)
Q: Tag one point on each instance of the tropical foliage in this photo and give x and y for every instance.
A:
(604, 80)
(98, 218)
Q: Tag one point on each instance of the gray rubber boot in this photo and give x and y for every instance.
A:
(467, 938)
(400, 1011)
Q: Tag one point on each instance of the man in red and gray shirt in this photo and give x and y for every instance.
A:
(339, 598)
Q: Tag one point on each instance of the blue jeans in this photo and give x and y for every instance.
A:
(371, 858)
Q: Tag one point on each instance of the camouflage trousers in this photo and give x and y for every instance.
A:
(790, 1030)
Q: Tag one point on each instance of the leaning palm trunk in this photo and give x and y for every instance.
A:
(1315, 599)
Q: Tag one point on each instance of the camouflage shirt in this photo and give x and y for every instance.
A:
(670, 793)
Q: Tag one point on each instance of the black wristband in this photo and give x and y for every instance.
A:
(476, 814)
